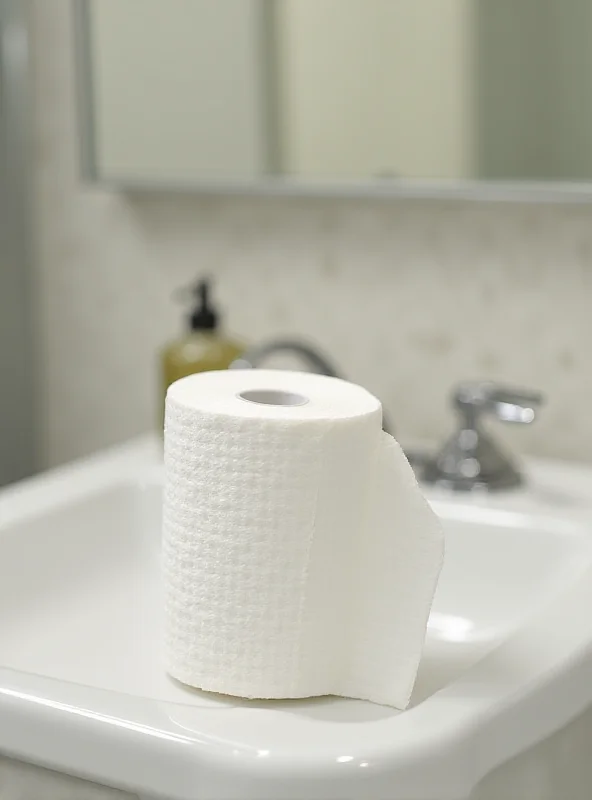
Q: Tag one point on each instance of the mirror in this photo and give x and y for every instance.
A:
(347, 93)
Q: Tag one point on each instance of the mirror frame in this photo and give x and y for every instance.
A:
(396, 188)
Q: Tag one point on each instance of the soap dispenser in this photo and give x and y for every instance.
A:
(202, 347)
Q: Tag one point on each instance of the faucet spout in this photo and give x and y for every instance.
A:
(313, 358)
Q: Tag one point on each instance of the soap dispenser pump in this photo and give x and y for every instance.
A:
(202, 347)
(203, 317)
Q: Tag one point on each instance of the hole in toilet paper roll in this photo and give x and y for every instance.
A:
(273, 397)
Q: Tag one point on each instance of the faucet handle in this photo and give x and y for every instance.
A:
(505, 403)
(471, 459)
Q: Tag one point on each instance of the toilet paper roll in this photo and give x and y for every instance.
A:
(300, 558)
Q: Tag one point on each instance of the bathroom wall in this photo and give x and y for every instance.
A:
(408, 297)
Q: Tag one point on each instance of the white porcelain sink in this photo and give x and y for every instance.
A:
(508, 658)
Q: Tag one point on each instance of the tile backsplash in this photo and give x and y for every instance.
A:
(407, 297)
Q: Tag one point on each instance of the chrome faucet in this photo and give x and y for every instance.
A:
(470, 459)
(314, 360)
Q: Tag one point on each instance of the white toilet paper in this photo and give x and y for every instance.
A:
(300, 557)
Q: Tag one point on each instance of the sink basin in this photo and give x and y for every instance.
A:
(82, 688)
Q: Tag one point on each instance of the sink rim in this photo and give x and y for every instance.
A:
(96, 727)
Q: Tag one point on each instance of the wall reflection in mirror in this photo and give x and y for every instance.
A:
(318, 91)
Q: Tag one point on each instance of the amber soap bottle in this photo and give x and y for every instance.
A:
(203, 347)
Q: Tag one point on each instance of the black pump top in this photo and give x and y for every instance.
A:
(204, 317)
